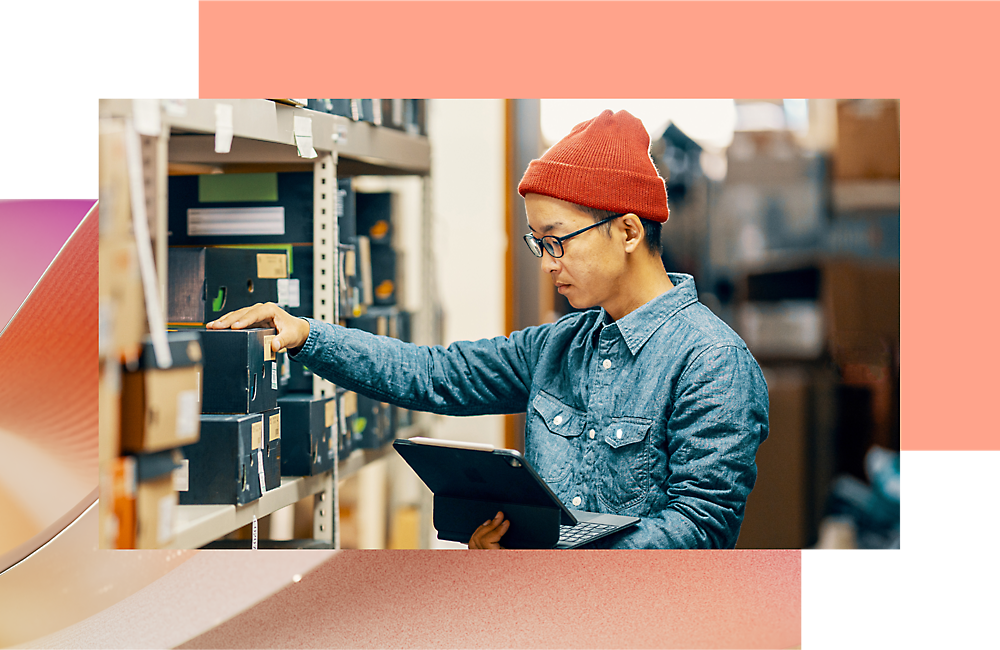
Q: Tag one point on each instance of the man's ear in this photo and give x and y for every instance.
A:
(634, 232)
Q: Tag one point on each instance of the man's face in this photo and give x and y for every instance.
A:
(591, 269)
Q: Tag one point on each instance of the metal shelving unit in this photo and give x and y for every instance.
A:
(264, 139)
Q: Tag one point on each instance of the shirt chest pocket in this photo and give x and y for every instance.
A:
(554, 428)
(625, 459)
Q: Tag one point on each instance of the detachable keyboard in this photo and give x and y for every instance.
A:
(582, 533)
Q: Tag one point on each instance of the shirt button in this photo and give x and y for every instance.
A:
(618, 434)
(557, 420)
(577, 501)
(607, 364)
(592, 434)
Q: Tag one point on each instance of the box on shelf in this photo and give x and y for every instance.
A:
(223, 466)
(155, 498)
(271, 446)
(383, 275)
(160, 407)
(867, 139)
(206, 283)
(862, 303)
(374, 216)
(332, 106)
(121, 304)
(241, 374)
(347, 409)
(308, 434)
(218, 209)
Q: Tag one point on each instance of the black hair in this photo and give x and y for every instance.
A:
(651, 228)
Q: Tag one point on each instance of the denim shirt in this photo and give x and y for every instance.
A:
(657, 415)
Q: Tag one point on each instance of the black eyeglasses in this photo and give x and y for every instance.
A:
(553, 245)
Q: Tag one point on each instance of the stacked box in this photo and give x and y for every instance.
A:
(207, 283)
(224, 466)
(241, 374)
(374, 220)
(308, 434)
(160, 406)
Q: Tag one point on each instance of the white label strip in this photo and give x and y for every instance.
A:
(165, 529)
(146, 115)
(288, 292)
(182, 476)
(304, 136)
(144, 246)
(274, 375)
(253, 543)
(223, 128)
(188, 413)
(260, 471)
(236, 221)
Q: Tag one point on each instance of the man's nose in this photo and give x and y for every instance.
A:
(549, 263)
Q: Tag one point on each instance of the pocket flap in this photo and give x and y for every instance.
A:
(623, 433)
(560, 419)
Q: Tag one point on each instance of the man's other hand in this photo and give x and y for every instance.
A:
(488, 535)
(292, 331)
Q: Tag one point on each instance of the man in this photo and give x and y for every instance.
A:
(646, 404)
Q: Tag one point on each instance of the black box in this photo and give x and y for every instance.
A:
(295, 195)
(222, 466)
(332, 106)
(241, 374)
(206, 283)
(271, 446)
(374, 216)
(383, 275)
(308, 433)
(373, 425)
(347, 405)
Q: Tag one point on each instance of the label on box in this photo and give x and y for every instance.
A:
(188, 414)
(331, 412)
(350, 404)
(288, 292)
(256, 433)
(181, 476)
(165, 524)
(268, 350)
(272, 265)
(350, 264)
(260, 471)
(274, 375)
(236, 221)
(274, 425)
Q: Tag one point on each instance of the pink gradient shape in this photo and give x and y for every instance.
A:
(33, 233)
(530, 599)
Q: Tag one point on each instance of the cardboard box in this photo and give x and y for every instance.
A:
(867, 139)
(160, 407)
(241, 373)
(121, 301)
(308, 434)
(206, 283)
(285, 212)
(223, 467)
(155, 499)
(113, 184)
(271, 444)
(862, 306)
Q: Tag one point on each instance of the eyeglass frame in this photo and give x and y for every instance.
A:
(528, 238)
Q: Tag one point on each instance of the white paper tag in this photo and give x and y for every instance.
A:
(165, 529)
(175, 107)
(304, 136)
(146, 116)
(288, 292)
(274, 375)
(253, 542)
(182, 475)
(188, 413)
(223, 128)
(260, 471)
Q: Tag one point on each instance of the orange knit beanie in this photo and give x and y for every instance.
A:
(603, 163)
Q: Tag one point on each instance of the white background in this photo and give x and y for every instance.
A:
(59, 58)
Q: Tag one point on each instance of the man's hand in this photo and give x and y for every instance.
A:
(292, 331)
(488, 535)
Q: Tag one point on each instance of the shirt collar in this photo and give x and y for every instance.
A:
(637, 326)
